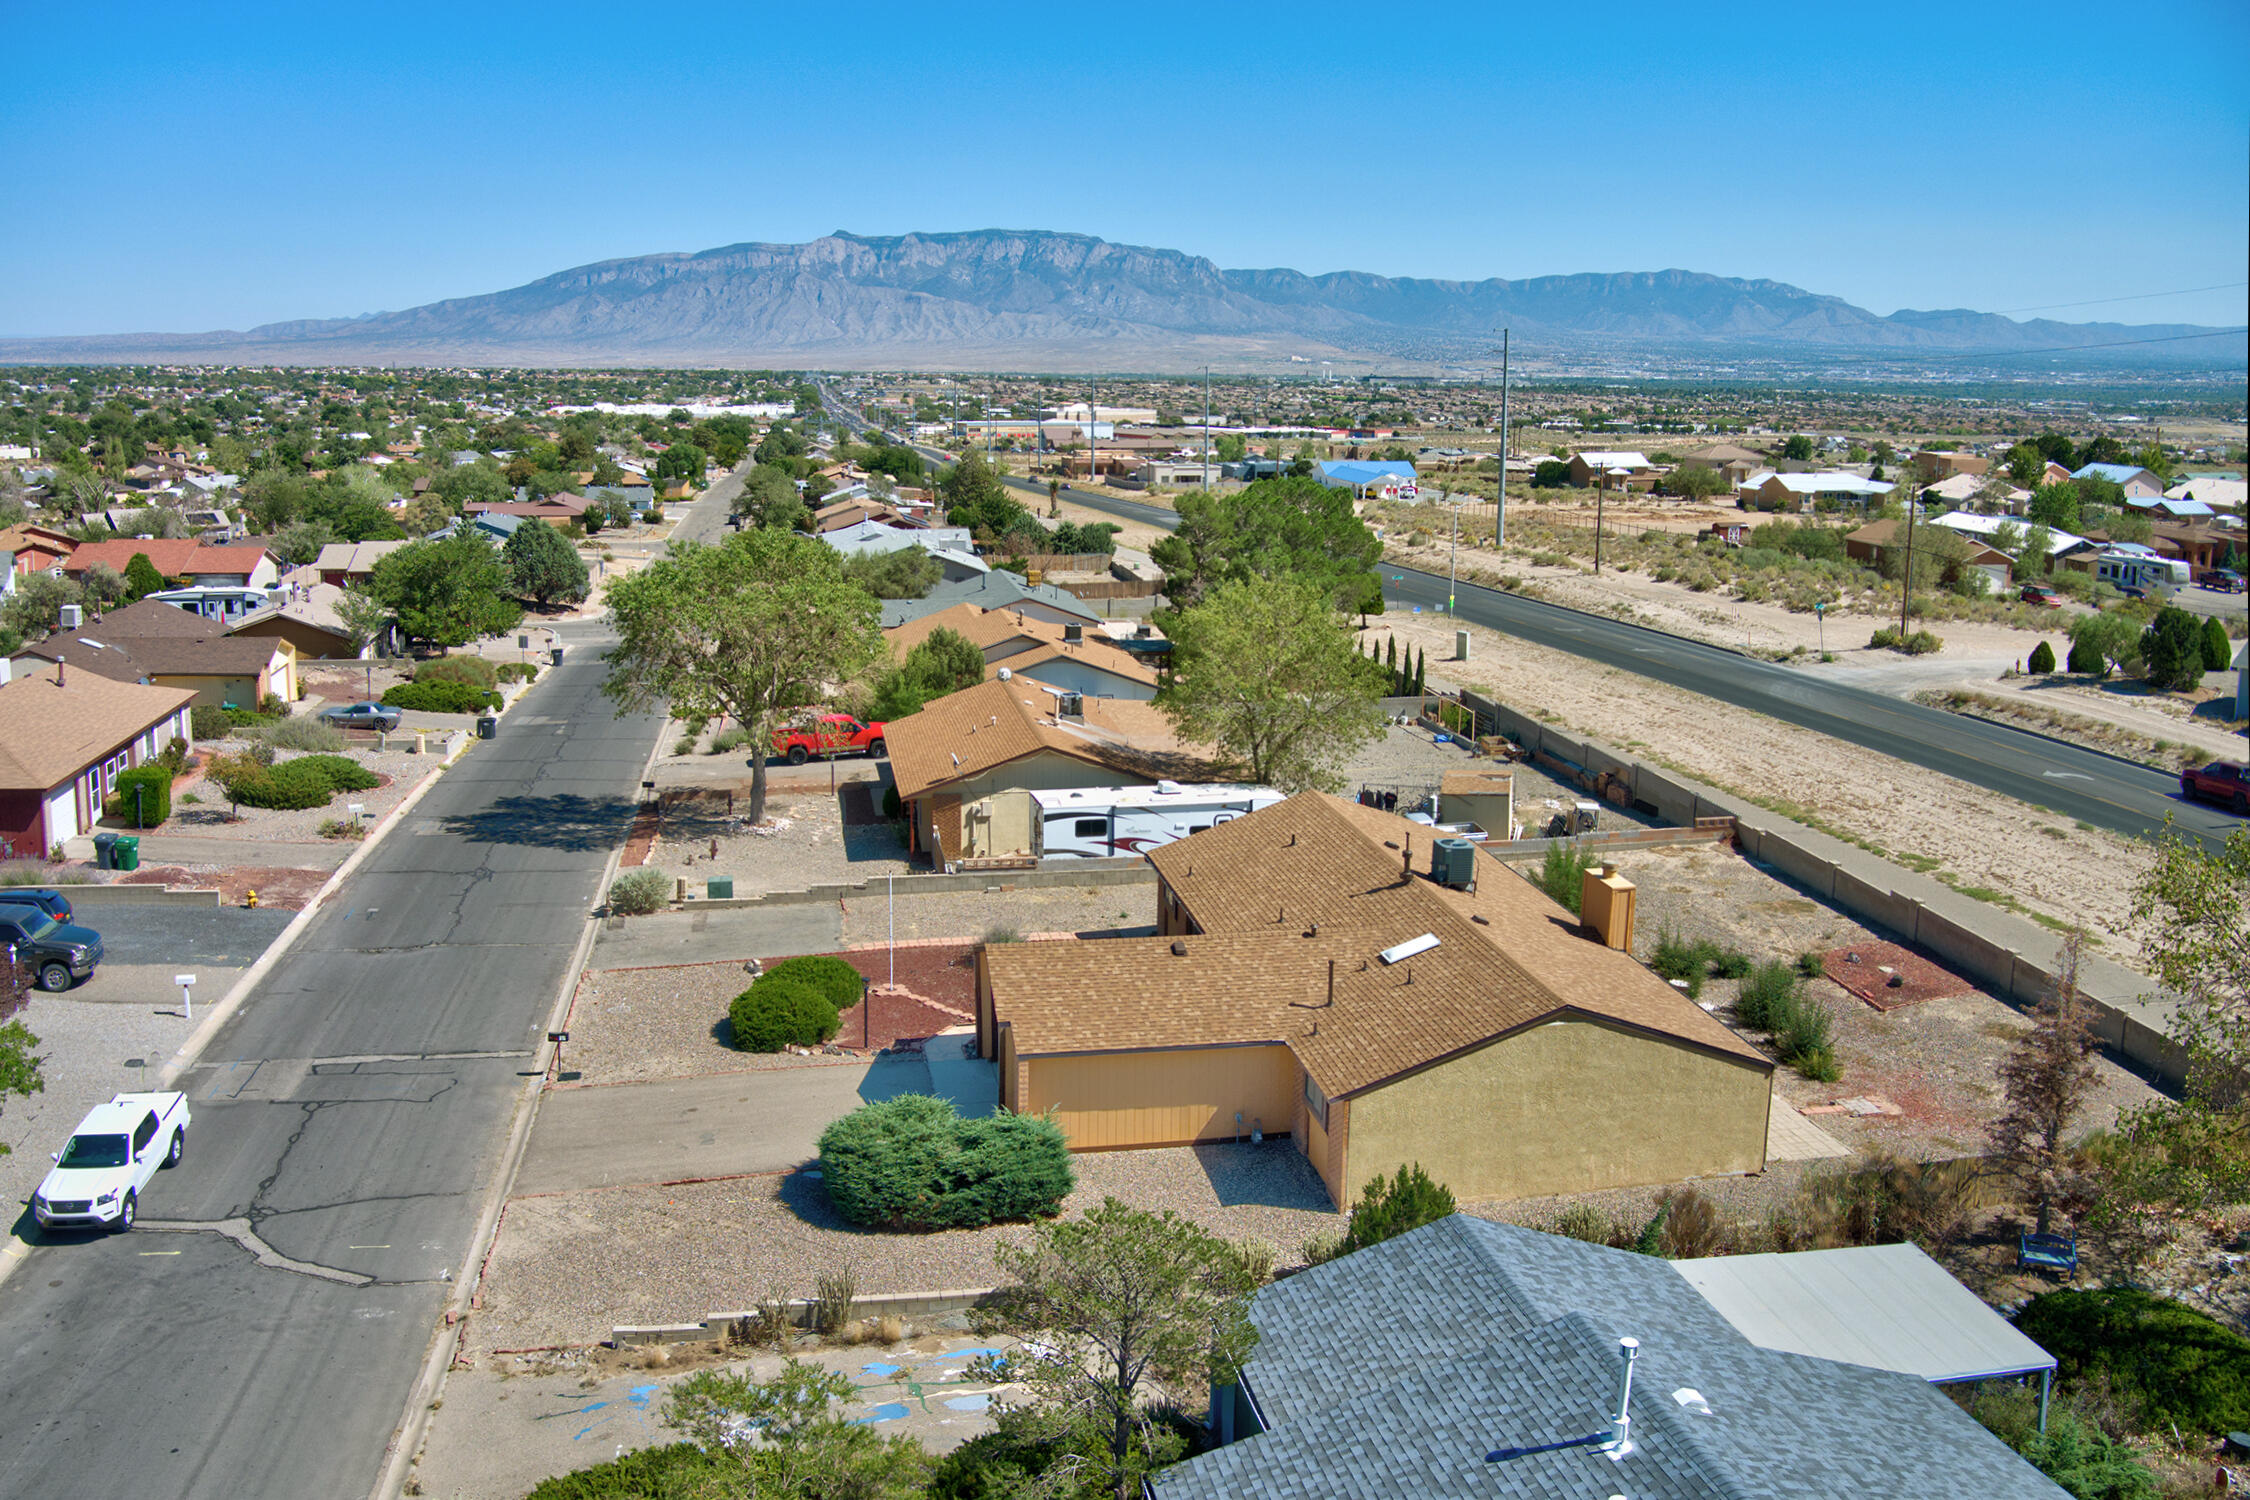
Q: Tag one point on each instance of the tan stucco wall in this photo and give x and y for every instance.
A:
(1566, 1107)
(1123, 1099)
(1043, 771)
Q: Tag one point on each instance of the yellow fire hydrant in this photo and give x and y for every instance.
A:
(250, 899)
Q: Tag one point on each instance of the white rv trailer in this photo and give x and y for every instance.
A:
(2131, 565)
(1097, 822)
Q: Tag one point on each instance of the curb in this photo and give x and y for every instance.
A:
(413, 1425)
(16, 1250)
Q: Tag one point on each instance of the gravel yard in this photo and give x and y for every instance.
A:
(804, 842)
(209, 815)
(1936, 1060)
(566, 1269)
(1409, 760)
(1026, 911)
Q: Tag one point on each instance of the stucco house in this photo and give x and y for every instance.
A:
(2134, 480)
(1597, 469)
(36, 548)
(1071, 657)
(1314, 977)
(155, 643)
(965, 766)
(246, 565)
(1812, 490)
(1729, 462)
(65, 734)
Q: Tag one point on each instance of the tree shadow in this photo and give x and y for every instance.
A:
(567, 822)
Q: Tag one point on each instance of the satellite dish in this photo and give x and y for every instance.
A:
(1006, 674)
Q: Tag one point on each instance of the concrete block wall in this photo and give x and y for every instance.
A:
(134, 895)
(887, 1305)
(2007, 954)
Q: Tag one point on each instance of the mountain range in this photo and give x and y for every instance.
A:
(1037, 300)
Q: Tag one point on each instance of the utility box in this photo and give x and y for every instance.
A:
(1460, 645)
(1605, 905)
(719, 888)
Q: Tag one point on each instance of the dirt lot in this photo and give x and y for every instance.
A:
(567, 1268)
(1974, 837)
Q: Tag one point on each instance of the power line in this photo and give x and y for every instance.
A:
(2223, 286)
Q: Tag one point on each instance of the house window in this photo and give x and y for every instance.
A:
(1316, 1101)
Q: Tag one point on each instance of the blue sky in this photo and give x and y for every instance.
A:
(181, 167)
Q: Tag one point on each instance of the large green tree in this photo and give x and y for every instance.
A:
(760, 624)
(2172, 650)
(1276, 528)
(1117, 1308)
(141, 578)
(448, 592)
(544, 566)
(1267, 670)
(942, 662)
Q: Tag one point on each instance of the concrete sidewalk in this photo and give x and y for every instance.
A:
(720, 1125)
(719, 935)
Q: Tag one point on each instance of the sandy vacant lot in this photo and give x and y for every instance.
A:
(1935, 822)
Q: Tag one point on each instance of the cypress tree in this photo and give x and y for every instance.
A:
(1421, 672)
(2218, 650)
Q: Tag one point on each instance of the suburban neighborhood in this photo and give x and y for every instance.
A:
(1514, 763)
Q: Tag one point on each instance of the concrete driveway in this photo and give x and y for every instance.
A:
(721, 1125)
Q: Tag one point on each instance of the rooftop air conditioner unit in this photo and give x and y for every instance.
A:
(1453, 862)
(73, 616)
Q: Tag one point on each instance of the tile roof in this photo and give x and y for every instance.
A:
(174, 557)
(997, 722)
(1284, 893)
(1509, 1340)
(50, 731)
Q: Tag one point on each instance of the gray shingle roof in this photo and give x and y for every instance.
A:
(1393, 1371)
(994, 590)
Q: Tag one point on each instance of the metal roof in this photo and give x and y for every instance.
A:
(1889, 1307)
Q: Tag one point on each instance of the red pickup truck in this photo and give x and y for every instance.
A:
(2225, 781)
(828, 734)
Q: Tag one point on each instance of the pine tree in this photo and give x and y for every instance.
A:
(2218, 651)
(1421, 672)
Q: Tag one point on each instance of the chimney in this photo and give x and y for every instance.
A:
(1605, 903)
(1620, 1443)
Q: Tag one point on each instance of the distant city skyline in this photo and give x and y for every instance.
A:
(210, 171)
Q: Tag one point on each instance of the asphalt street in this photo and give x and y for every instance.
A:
(2075, 783)
(259, 1333)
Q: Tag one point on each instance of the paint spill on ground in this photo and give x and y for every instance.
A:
(879, 1369)
(978, 1402)
(889, 1411)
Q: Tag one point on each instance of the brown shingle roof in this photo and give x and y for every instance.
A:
(997, 722)
(50, 732)
(1282, 892)
(153, 639)
(1041, 641)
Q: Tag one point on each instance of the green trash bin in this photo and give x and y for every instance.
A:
(126, 853)
(719, 888)
(104, 845)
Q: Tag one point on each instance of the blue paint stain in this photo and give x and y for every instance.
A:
(576, 1411)
(889, 1411)
(879, 1369)
(582, 1432)
(639, 1395)
(970, 1403)
(951, 1354)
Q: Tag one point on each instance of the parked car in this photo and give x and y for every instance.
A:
(2225, 580)
(100, 1175)
(2225, 781)
(57, 953)
(2039, 593)
(362, 716)
(828, 734)
(50, 902)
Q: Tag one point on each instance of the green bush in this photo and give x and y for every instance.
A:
(1677, 958)
(1563, 875)
(293, 785)
(441, 697)
(636, 893)
(2074, 1452)
(733, 737)
(776, 1013)
(2087, 658)
(913, 1163)
(517, 671)
(1389, 1208)
(833, 979)
(1890, 638)
(156, 796)
(208, 721)
(2218, 651)
(2042, 660)
(300, 734)
(2165, 1362)
(892, 807)
(675, 1469)
(1768, 997)
(1732, 963)
(1810, 966)
(471, 671)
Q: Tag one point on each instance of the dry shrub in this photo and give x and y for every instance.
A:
(834, 1294)
(1693, 1228)
(1886, 1200)
(891, 1330)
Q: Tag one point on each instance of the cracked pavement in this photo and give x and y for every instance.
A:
(258, 1335)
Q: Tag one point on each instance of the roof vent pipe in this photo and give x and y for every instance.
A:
(1620, 1442)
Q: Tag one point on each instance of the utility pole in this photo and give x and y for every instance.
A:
(1093, 443)
(1206, 480)
(1906, 576)
(1601, 493)
(1500, 513)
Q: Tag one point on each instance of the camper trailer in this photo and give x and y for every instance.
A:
(2128, 565)
(1098, 822)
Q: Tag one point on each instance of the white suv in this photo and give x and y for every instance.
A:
(113, 1153)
